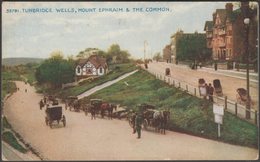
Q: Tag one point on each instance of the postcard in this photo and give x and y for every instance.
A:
(129, 80)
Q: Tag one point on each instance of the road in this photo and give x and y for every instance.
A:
(186, 75)
(103, 139)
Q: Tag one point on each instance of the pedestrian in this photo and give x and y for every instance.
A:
(133, 122)
(41, 104)
(210, 92)
(207, 89)
(138, 125)
(216, 66)
(26, 90)
(93, 112)
(45, 99)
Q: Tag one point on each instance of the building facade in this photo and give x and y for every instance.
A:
(226, 33)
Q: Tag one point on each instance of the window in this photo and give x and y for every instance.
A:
(78, 69)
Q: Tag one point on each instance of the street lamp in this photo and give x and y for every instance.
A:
(246, 22)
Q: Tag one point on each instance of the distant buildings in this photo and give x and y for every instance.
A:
(226, 33)
(167, 54)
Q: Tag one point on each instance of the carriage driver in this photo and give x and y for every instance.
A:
(138, 124)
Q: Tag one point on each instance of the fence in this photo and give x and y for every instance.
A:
(230, 106)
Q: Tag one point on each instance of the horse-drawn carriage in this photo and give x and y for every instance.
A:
(217, 86)
(167, 71)
(98, 106)
(152, 118)
(242, 96)
(51, 98)
(54, 113)
(72, 102)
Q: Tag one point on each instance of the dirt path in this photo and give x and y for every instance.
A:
(103, 139)
(97, 88)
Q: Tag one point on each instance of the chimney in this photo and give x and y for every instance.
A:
(229, 7)
(245, 8)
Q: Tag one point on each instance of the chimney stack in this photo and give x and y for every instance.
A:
(229, 7)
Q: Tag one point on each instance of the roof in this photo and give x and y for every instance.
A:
(222, 15)
(208, 24)
(96, 60)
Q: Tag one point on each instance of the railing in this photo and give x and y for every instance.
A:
(230, 106)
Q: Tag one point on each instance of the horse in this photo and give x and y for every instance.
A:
(107, 107)
(156, 121)
(164, 118)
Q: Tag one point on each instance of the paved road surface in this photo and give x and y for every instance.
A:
(189, 76)
(103, 139)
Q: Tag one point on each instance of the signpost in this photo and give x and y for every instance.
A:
(218, 110)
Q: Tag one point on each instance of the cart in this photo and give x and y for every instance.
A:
(71, 103)
(217, 87)
(167, 71)
(54, 113)
(242, 96)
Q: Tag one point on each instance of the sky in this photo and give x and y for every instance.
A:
(92, 25)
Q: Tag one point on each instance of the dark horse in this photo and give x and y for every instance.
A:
(107, 107)
(164, 118)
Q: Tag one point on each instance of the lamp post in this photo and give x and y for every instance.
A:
(246, 21)
(145, 43)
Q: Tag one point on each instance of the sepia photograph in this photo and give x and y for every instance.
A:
(111, 80)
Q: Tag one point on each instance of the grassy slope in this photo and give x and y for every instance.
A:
(86, 85)
(188, 113)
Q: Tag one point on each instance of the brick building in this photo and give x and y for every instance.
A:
(226, 33)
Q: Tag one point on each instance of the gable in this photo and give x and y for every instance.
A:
(88, 65)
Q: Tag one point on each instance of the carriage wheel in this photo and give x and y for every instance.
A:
(46, 120)
(64, 120)
(145, 124)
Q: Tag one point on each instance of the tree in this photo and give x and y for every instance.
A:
(55, 71)
(157, 56)
(121, 56)
(192, 47)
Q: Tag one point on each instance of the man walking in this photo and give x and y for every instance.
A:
(138, 125)
(210, 92)
(133, 120)
(93, 112)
